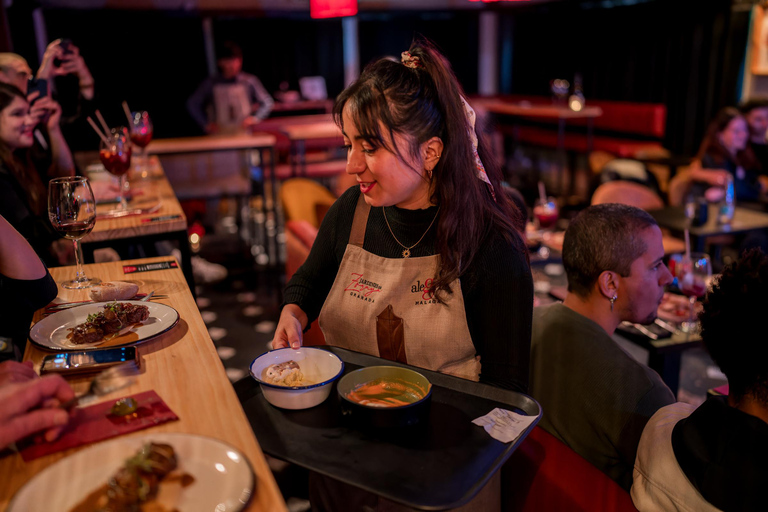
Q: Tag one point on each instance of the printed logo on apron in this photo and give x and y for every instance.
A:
(361, 288)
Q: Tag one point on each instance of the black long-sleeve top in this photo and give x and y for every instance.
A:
(497, 287)
(19, 299)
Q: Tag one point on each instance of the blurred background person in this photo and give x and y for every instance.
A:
(755, 111)
(73, 87)
(714, 457)
(725, 152)
(232, 99)
(23, 181)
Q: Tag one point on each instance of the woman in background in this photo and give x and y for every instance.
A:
(725, 152)
(23, 185)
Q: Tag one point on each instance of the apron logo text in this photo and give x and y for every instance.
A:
(362, 288)
(427, 295)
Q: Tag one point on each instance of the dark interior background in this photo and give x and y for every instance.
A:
(683, 53)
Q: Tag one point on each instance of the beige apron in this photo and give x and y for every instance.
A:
(431, 335)
(436, 337)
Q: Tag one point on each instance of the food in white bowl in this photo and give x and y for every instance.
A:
(319, 369)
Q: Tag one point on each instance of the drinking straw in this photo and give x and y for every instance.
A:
(542, 193)
(127, 113)
(687, 244)
(98, 132)
(104, 124)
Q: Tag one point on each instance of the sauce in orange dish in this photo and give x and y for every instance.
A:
(384, 392)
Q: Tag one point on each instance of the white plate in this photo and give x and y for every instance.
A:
(51, 332)
(223, 477)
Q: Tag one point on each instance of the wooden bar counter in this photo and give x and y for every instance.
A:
(182, 366)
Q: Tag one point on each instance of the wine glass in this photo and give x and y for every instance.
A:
(141, 136)
(546, 213)
(72, 212)
(693, 272)
(115, 154)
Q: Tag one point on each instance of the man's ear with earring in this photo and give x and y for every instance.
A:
(608, 284)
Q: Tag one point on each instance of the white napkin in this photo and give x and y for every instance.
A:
(504, 425)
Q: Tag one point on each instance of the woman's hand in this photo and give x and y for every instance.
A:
(47, 68)
(290, 328)
(33, 406)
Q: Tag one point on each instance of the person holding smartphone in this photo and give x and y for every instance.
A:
(50, 153)
(73, 86)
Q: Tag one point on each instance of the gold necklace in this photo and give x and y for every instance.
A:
(407, 250)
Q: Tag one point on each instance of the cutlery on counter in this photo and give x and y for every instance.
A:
(111, 379)
(642, 329)
(61, 306)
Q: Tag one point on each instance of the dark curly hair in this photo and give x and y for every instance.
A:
(732, 328)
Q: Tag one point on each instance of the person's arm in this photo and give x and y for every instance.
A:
(265, 102)
(47, 111)
(17, 258)
(498, 300)
(197, 102)
(33, 406)
(308, 288)
(705, 171)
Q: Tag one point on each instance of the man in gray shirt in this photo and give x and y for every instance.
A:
(596, 398)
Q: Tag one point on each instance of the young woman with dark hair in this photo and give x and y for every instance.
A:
(23, 184)
(426, 241)
(725, 151)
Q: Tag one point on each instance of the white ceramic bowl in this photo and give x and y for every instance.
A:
(318, 366)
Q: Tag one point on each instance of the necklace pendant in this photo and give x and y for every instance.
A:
(406, 253)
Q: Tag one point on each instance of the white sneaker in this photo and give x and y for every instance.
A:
(206, 272)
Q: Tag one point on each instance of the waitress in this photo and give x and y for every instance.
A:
(420, 263)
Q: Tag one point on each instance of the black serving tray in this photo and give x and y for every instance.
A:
(438, 464)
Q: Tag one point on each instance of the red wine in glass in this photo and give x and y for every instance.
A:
(141, 139)
(75, 230)
(72, 212)
(546, 218)
(141, 135)
(116, 163)
(694, 288)
(115, 154)
(546, 213)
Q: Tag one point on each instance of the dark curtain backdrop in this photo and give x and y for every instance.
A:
(686, 54)
(155, 59)
(683, 53)
(455, 34)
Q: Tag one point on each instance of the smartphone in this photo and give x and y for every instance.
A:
(37, 84)
(70, 363)
(65, 44)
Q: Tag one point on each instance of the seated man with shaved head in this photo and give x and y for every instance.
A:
(596, 398)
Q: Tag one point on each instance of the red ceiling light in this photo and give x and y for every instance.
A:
(332, 8)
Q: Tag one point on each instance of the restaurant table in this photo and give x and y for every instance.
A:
(204, 178)
(182, 366)
(744, 221)
(561, 113)
(440, 463)
(154, 215)
(324, 132)
(290, 107)
(264, 143)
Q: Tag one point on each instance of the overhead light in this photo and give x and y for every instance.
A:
(332, 8)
